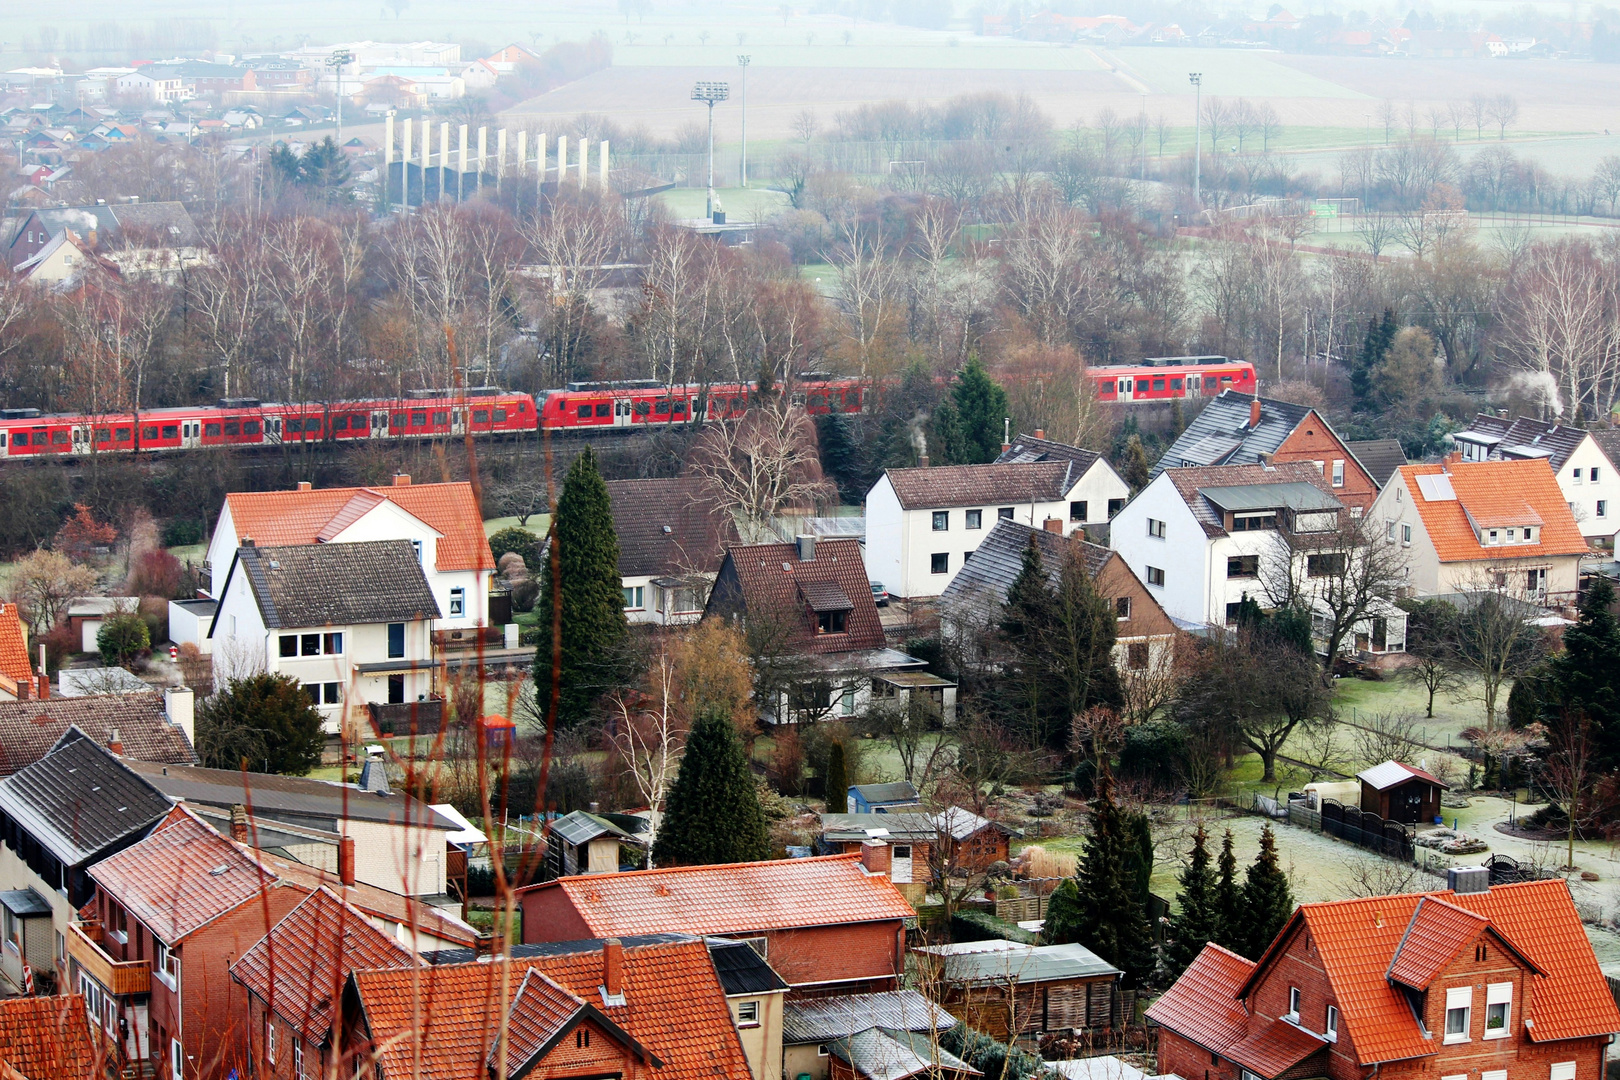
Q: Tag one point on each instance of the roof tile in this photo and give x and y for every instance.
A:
(1190, 481)
(1272, 1049)
(356, 584)
(1495, 491)
(14, 663)
(48, 1038)
(1202, 1005)
(668, 528)
(984, 485)
(772, 578)
(79, 800)
(28, 729)
(1433, 938)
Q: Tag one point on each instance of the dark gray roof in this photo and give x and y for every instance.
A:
(818, 1020)
(909, 825)
(377, 581)
(986, 577)
(1297, 495)
(1003, 961)
(555, 948)
(983, 485)
(24, 903)
(882, 1054)
(1027, 448)
(1528, 438)
(742, 970)
(893, 792)
(79, 800)
(1380, 457)
(1220, 434)
(668, 528)
(295, 799)
(581, 828)
(165, 223)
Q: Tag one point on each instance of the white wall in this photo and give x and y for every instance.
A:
(1583, 495)
(1183, 553)
(1394, 507)
(885, 535)
(409, 860)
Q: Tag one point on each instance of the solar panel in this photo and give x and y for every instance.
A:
(1436, 487)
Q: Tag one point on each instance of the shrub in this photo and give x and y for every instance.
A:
(524, 594)
(154, 612)
(1154, 751)
(265, 721)
(982, 926)
(156, 573)
(123, 638)
(183, 532)
(522, 541)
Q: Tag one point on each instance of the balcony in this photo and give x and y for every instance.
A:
(120, 978)
(408, 717)
(491, 637)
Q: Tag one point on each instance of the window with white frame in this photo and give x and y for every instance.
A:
(635, 597)
(747, 1014)
(1389, 531)
(1155, 528)
(1293, 1003)
(1603, 508)
(1459, 1013)
(1562, 1070)
(269, 1038)
(458, 602)
(166, 965)
(975, 519)
(298, 1060)
(1498, 1010)
(1493, 1074)
(1406, 535)
(1338, 472)
(1577, 475)
(1330, 1027)
(177, 1060)
(1594, 471)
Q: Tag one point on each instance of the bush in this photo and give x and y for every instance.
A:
(183, 532)
(156, 573)
(989, 1056)
(265, 721)
(1154, 751)
(522, 541)
(154, 612)
(123, 638)
(524, 594)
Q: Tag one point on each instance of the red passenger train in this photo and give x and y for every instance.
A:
(581, 406)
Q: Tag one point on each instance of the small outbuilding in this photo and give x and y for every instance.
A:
(883, 798)
(1009, 990)
(1399, 792)
(582, 843)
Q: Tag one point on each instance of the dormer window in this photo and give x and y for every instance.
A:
(832, 622)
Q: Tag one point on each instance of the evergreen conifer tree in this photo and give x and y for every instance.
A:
(1112, 921)
(1268, 901)
(1378, 341)
(1194, 925)
(1586, 675)
(836, 781)
(840, 459)
(1229, 930)
(970, 423)
(1065, 918)
(712, 813)
(1136, 471)
(594, 630)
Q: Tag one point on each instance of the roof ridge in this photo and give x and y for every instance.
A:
(621, 875)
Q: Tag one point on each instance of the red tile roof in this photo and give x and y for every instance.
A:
(1358, 942)
(279, 518)
(1202, 1005)
(544, 1012)
(1433, 938)
(674, 1007)
(1271, 1049)
(28, 729)
(298, 969)
(181, 878)
(1495, 493)
(48, 1038)
(773, 580)
(391, 906)
(13, 644)
(779, 894)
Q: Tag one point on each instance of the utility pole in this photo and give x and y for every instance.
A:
(742, 62)
(1197, 80)
(709, 93)
(336, 61)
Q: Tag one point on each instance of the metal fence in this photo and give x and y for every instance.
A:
(1351, 824)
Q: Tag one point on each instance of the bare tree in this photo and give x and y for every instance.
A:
(648, 730)
(1370, 875)
(1268, 122)
(227, 294)
(1387, 736)
(1387, 115)
(804, 125)
(1502, 110)
(41, 585)
(1571, 773)
(1217, 116)
(1494, 639)
(1479, 111)
(573, 244)
(1377, 231)
(867, 280)
(761, 465)
(1049, 274)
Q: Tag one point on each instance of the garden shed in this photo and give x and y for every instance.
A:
(1399, 792)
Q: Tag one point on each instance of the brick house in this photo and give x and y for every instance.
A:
(1241, 429)
(634, 1008)
(672, 538)
(824, 924)
(295, 975)
(1494, 982)
(912, 838)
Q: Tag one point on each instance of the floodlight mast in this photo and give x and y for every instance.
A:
(336, 61)
(1197, 80)
(743, 60)
(709, 93)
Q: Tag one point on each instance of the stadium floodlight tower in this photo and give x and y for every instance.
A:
(336, 61)
(709, 93)
(1197, 80)
(743, 60)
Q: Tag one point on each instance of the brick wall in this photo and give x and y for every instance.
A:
(830, 954)
(589, 1050)
(548, 915)
(1311, 441)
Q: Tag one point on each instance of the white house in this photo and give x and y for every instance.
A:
(1583, 461)
(441, 521)
(672, 538)
(352, 622)
(1201, 539)
(139, 85)
(923, 524)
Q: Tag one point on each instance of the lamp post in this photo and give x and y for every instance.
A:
(742, 62)
(336, 61)
(1197, 80)
(709, 93)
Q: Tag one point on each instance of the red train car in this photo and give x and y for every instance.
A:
(1162, 378)
(642, 403)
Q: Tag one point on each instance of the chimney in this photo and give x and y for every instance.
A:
(304, 485)
(247, 541)
(402, 479)
(239, 823)
(180, 707)
(807, 548)
(1040, 433)
(612, 969)
(1053, 525)
(875, 856)
(1254, 413)
(1468, 879)
(346, 860)
(1453, 458)
(922, 461)
(1006, 434)
(115, 745)
(374, 777)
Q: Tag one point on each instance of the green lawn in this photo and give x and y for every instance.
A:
(740, 204)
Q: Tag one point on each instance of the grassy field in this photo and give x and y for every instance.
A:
(740, 204)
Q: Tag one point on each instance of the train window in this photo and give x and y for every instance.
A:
(643, 408)
(418, 419)
(604, 408)
(480, 416)
(584, 411)
(59, 438)
(399, 419)
(2, 439)
(103, 434)
(340, 424)
(293, 424)
(662, 408)
(250, 427)
(312, 424)
(680, 408)
(1158, 384)
(1209, 382)
(1106, 387)
(736, 404)
(817, 401)
(232, 427)
(171, 431)
(213, 429)
(1226, 378)
(40, 438)
(441, 417)
(121, 434)
(500, 416)
(149, 433)
(1175, 384)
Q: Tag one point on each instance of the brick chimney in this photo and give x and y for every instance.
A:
(876, 857)
(1053, 525)
(402, 479)
(114, 743)
(612, 968)
(346, 860)
(239, 823)
(1254, 413)
(922, 461)
(304, 485)
(1040, 433)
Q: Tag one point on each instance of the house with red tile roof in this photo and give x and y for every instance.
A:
(635, 1008)
(824, 924)
(1471, 526)
(1498, 982)
(48, 1038)
(17, 679)
(294, 978)
(812, 603)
